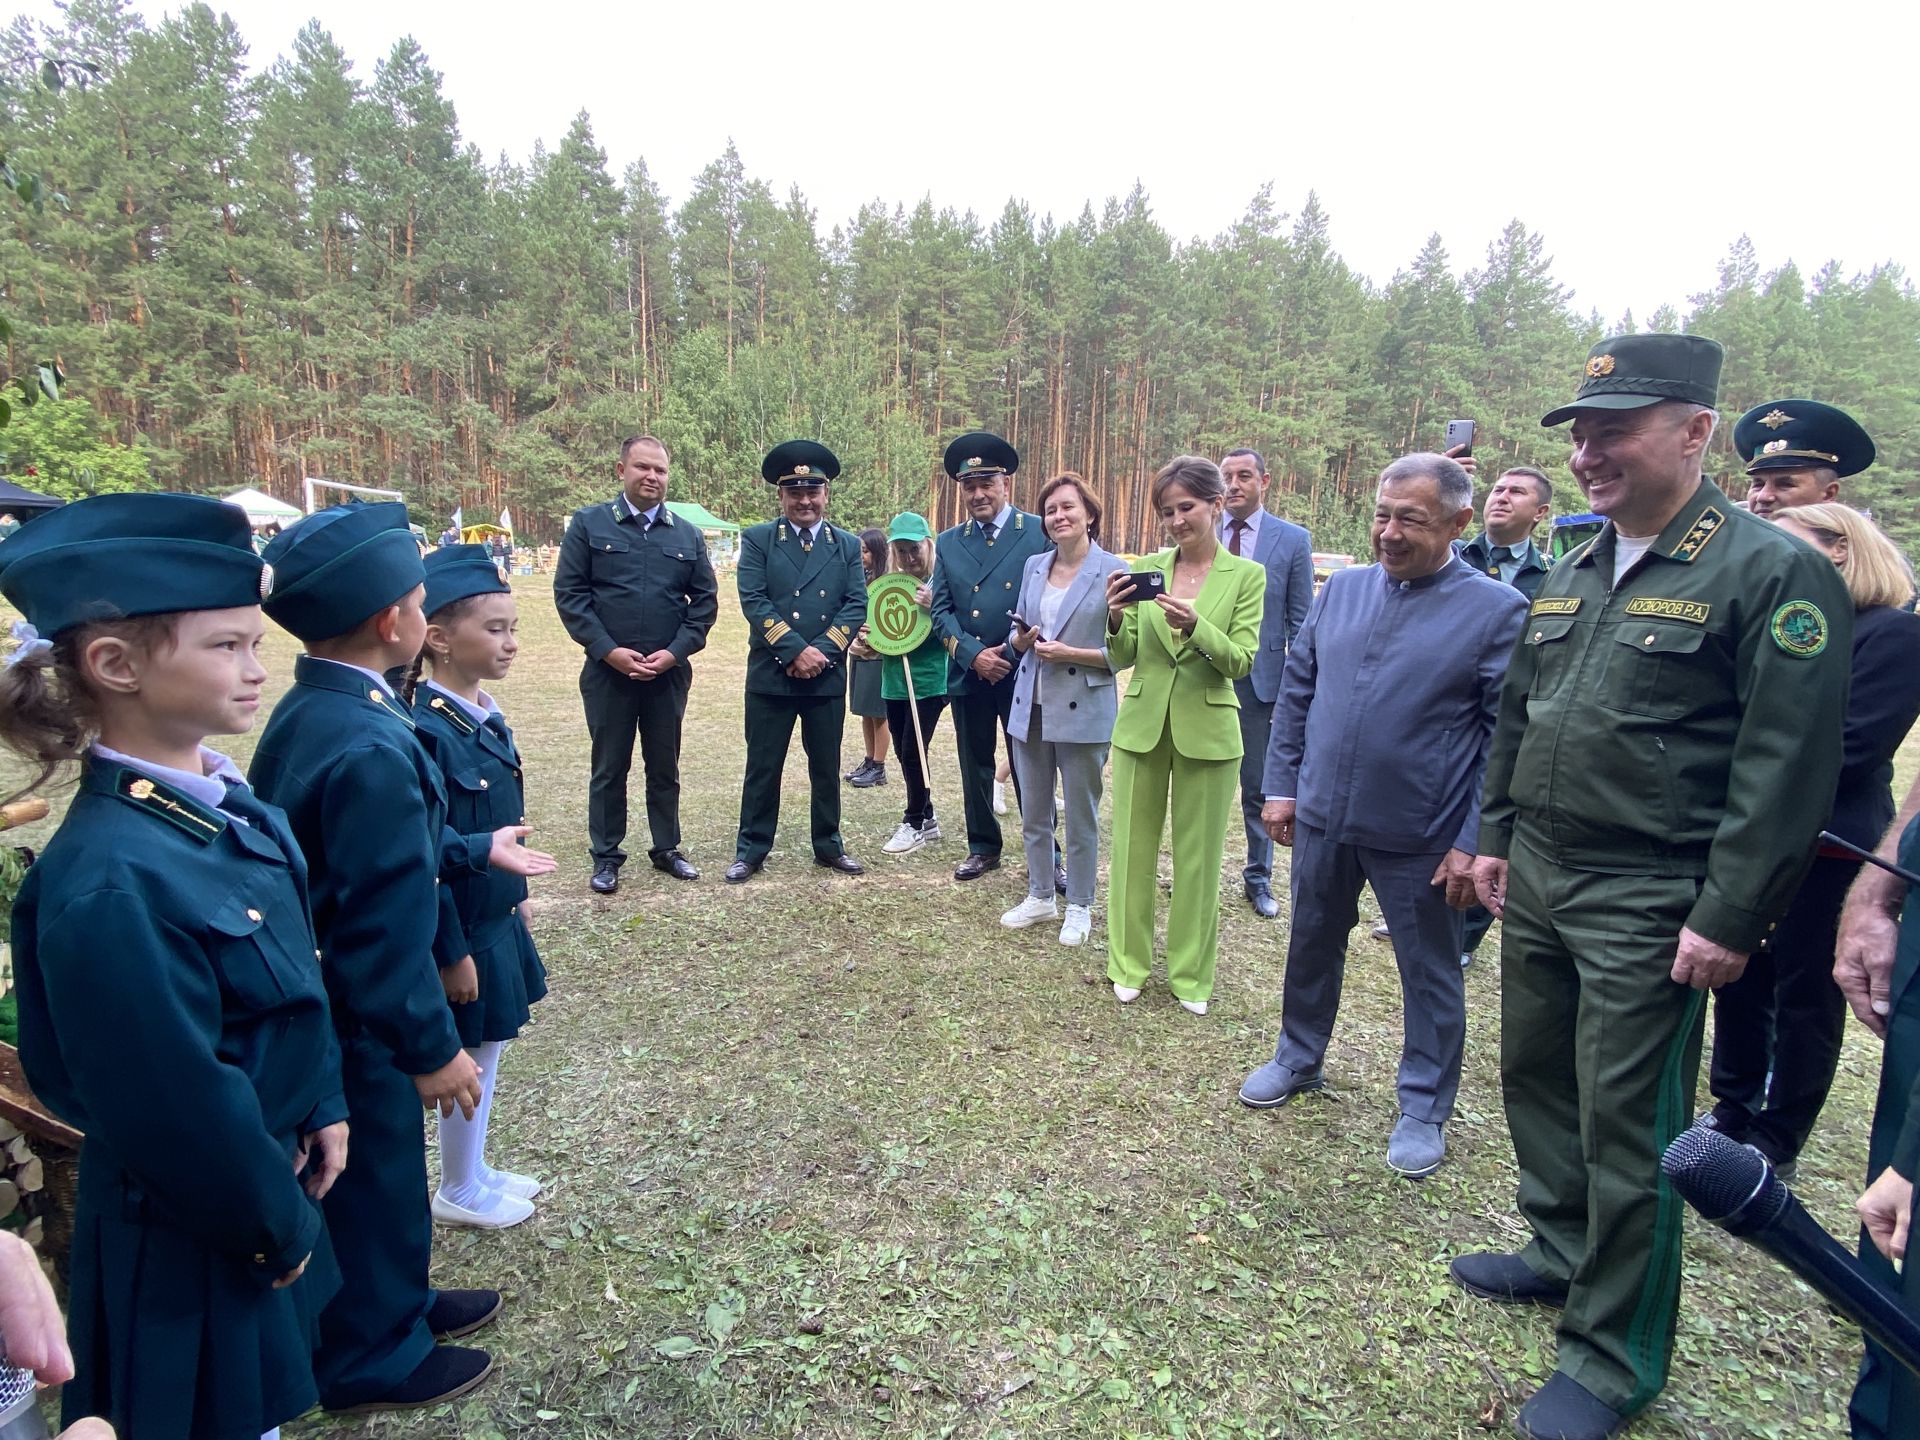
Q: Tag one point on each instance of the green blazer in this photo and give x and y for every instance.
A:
(1187, 680)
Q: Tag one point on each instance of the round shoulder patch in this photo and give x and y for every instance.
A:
(1799, 628)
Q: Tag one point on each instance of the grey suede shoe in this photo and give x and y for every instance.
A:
(1416, 1147)
(1274, 1084)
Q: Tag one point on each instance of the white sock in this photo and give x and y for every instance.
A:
(463, 1142)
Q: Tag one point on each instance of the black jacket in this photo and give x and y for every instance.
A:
(1883, 703)
(620, 583)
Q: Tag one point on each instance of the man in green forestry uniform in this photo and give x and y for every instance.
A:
(804, 592)
(635, 590)
(976, 588)
(1797, 453)
(1668, 742)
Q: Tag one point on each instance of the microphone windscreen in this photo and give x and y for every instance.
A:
(1715, 1175)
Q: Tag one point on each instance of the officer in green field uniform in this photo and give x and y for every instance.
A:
(804, 592)
(1668, 742)
(976, 588)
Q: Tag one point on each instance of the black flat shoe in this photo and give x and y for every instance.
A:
(844, 863)
(1564, 1409)
(1506, 1280)
(448, 1373)
(461, 1312)
(740, 871)
(974, 866)
(677, 865)
(606, 878)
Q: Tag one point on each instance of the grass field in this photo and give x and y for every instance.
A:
(837, 1158)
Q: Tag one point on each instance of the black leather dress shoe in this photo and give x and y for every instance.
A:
(606, 878)
(676, 865)
(843, 862)
(741, 871)
(461, 1312)
(1264, 905)
(974, 866)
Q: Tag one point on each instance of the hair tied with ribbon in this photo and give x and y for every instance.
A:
(28, 642)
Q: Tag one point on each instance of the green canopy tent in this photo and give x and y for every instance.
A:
(723, 536)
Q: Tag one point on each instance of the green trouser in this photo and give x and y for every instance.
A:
(1599, 1053)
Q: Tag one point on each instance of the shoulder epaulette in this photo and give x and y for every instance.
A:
(164, 802)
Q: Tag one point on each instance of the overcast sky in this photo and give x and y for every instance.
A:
(1639, 138)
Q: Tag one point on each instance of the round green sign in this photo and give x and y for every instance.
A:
(895, 624)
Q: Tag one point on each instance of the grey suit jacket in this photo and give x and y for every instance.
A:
(1080, 700)
(1287, 551)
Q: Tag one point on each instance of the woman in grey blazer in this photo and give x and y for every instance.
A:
(1060, 645)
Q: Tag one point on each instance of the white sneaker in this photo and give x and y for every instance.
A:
(1030, 911)
(906, 839)
(1079, 922)
(1125, 994)
(1197, 1007)
(498, 1212)
(931, 830)
(999, 797)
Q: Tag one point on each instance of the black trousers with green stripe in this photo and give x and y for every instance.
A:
(1599, 1054)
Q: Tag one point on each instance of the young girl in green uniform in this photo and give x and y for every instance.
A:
(471, 622)
(170, 1003)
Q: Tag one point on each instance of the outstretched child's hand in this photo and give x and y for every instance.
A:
(455, 1083)
(510, 855)
(461, 982)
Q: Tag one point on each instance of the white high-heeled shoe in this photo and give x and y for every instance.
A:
(1197, 1007)
(1125, 994)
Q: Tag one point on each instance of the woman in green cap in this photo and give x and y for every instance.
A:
(910, 543)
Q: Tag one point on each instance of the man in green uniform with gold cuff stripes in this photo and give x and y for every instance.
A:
(804, 593)
(1668, 743)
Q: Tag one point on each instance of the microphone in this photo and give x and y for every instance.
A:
(1733, 1186)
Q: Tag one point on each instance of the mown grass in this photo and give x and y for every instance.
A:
(834, 1158)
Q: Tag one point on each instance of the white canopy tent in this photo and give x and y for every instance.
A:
(263, 509)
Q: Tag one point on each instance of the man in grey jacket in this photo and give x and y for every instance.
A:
(1248, 528)
(1373, 775)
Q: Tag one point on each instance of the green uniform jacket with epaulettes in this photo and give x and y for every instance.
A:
(976, 589)
(794, 598)
(1686, 722)
(620, 583)
(171, 1007)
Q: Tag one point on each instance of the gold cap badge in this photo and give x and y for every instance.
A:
(1599, 365)
(973, 463)
(1774, 419)
(1773, 447)
(266, 581)
(803, 469)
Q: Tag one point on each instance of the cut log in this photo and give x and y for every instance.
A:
(9, 1198)
(31, 1177)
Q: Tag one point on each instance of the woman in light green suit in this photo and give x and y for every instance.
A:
(1178, 732)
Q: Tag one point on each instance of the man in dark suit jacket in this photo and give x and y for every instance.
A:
(1248, 529)
(635, 589)
(1520, 502)
(804, 593)
(976, 587)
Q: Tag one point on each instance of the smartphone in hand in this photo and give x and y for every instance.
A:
(1459, 432)
(1147, 585)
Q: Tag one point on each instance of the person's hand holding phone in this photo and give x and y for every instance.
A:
(1120, 594)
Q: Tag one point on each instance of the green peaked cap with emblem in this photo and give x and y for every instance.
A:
(1628, 372)
(114, 557)
(1797, 434)
(980, 452)
(800, 462)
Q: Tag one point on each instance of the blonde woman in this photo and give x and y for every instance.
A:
(1766, 1093)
